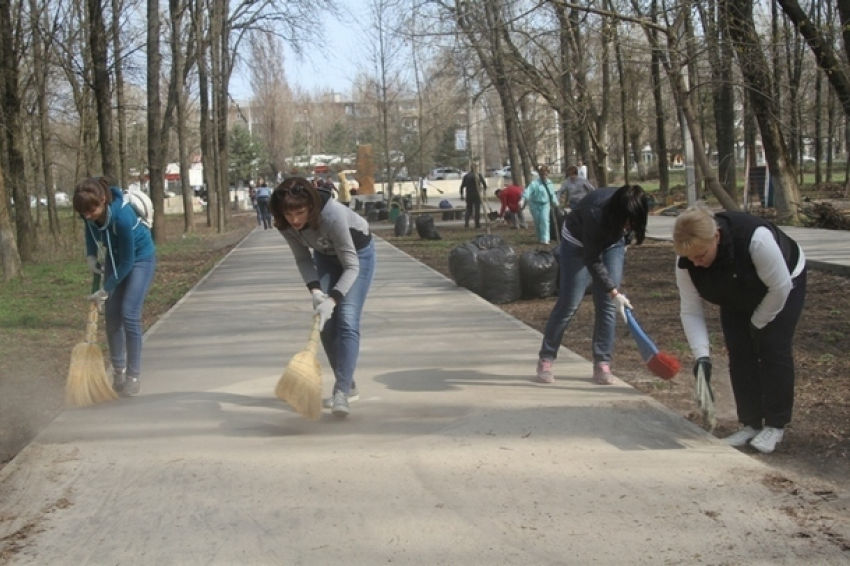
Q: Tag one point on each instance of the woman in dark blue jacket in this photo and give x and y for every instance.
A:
(119, 246)
(593, 246)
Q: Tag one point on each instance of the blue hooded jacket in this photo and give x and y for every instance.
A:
(125, 239)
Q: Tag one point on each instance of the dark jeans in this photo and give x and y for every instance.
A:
(124, 317)
(264, 215)
(473, 207)
(763, 378)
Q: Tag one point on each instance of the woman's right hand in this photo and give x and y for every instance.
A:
(318, 297)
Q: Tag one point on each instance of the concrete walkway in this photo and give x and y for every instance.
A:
(453, 455)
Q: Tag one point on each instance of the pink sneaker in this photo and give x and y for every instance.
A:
(602, 374)
(544, 371)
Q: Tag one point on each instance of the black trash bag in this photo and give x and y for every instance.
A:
(463, 267)
(538, 271)
(445, 203)
(488, 241)
(404, 225)
(372, 215)
(425, 227)
(499, 268)
(556, 223)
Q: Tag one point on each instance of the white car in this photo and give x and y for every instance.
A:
(441, 173)
(506, 172)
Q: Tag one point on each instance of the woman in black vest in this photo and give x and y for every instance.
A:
(756, 274)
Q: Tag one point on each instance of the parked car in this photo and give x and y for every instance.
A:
(506, 172)
(441, 173)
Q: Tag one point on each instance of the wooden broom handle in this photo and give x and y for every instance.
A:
(91, 326)
(313, 341)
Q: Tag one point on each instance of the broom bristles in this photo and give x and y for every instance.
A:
(664, 365)
(301, 383)
(87, 382)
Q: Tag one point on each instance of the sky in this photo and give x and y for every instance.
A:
(332, 66)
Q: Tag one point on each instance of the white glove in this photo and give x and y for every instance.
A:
(98, 297)
(318, 297)
(91, 261)
(522, 204)
(325, 310)
(622, 303)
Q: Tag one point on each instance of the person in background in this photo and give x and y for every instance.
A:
(476, 189)
(129, 263)
(540, 195)
(574, 188)
(593, 246)
(338, 273)
(263, 193)
(344, 190)
(511, 210)
(423, 190)
(582, 170)
(756, 274)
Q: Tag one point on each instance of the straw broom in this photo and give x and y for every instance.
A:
(87, 382)
(301, 383)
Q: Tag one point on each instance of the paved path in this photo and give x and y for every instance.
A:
(453, 455)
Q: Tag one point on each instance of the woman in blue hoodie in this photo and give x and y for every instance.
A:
(128, 264)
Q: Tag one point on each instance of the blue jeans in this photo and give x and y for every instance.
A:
(124, 317)
(574, 279)
(341, 335)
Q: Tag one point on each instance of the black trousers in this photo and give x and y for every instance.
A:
(473, 208)
(763, 378)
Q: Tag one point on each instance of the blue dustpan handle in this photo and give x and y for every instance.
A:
(645, 345)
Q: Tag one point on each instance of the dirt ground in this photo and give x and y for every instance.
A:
(816, 447)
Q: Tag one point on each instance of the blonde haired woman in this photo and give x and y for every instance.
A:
(756, 274)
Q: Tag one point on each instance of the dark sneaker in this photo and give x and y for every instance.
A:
(353, 396)
(119, 380)
(131, 387)
(340, 405)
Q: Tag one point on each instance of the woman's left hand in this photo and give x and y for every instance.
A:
(325, 310)
(621, 302)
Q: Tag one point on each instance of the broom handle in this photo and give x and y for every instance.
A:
(91, 325)
(313, 341)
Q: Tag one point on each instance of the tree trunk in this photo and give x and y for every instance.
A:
(11, 123)
(102, 88)
(756, 73)
(661, 150)
(10, 259)
(155, 166)
(41, 73)
(720, 60)
(120, 102)
(177, 92)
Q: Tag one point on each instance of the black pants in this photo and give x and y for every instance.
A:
(473, 207)
(763, 382)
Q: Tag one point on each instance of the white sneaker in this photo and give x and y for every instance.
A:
(353, 395)
(766, 441)
(741, 437)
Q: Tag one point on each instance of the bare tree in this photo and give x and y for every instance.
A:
(272, 100)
